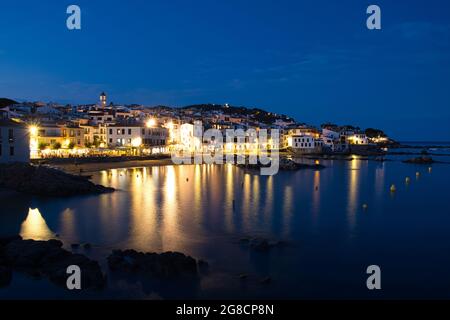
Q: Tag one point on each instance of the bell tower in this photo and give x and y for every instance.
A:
(103, 100)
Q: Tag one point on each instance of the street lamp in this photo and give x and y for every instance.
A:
(151, 123)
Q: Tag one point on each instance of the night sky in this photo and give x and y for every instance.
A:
(313, 60)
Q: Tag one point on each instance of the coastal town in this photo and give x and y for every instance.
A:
(38, 130)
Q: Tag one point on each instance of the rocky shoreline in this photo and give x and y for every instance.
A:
(420, 160)
(45, 181)
(284, 165)
(47, 259)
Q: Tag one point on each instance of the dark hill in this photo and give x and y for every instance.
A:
(4, 102)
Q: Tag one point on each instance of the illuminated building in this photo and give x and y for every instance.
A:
(14, 141)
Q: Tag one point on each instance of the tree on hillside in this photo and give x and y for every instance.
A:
(374, 133)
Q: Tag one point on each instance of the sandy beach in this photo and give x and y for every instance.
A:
(99, 166)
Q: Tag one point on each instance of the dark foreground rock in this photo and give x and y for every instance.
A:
(165, 265)
(262, 244)
(284, 165)
(5, 276)
(40, 180)
(48, 259)
(420, 160)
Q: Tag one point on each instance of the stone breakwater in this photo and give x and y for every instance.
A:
(45, 181)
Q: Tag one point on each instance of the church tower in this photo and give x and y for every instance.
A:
(103, 100)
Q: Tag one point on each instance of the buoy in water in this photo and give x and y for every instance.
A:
(408, 180)
(417, 174)
(393, 188)
(187, 179)
(317, 188)
(430, 169)
(365, 206)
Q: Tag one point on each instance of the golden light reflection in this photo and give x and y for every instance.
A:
(229, 198)
(256, 193)
(34, 227)
(353, 192)
(169, 209)
(316, 195)
(143, 222)
(287, 209)
(246, 198)
(268, 205)
(198, 191)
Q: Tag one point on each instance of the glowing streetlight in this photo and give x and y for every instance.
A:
(151, 123)
(33, 131)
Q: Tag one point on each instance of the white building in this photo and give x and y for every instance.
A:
(303, 143)
(190, 137)
(357, 138)
(14, 142)
(124, 135)
(135, 135)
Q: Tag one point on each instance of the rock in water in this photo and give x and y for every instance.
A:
(49, 259)
(45, 181)
(260, 244)
(420, 160)
(5, 276)
(165, 265)
(202, 264)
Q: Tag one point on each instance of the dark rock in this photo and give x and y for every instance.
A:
(284, 165)
(5, 240)
(5, 276)
(279, 243)
(45, 181)
(87, 246)
(259, 244)
(420, 160)
(243, 276)
(49, 259)
(75, 245)
(164, 265)
(202, 264)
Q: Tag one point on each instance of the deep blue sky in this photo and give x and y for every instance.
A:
(314, 60)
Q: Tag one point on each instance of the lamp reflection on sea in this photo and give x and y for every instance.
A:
(34, 227)
(353, 191)
(316, 196)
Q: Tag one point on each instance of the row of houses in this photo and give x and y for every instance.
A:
(52, 128)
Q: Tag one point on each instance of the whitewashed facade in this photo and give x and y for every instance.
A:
(14, 142)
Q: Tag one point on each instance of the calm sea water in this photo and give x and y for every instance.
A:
(331, 238)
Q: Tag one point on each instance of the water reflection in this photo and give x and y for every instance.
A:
(353, 191)
(316, 196)
(379, 179)
(190, 209)
(34, 227)
(287, 209)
